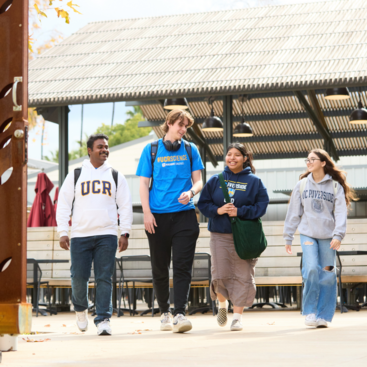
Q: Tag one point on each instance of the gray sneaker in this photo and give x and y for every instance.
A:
(236, 325)
(104, 328)
(181, 324)
(166, 321)
(82, 320)
(222, 317)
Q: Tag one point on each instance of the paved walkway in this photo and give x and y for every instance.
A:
(268, 339)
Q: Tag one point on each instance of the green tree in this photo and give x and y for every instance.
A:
(122, 133)
(117, 134)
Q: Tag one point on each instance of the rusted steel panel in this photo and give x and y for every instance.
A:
(15, 313)
(15, 318)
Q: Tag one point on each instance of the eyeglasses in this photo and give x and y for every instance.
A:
(312, 160)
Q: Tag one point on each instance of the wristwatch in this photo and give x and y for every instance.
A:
(125, 235)
(193, 192)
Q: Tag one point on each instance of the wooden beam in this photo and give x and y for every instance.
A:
(328, 141)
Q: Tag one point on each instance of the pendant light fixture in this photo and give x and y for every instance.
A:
(212, 123)
(175, 104)
(243, 129)
(359, 116)
(334, 94)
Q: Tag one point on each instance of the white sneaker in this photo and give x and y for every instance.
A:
(104, 328)
(321, 323)
(181, 324)
(82, 320)
(236, 325)
(310, 320)
(222, 317)
(166, 321)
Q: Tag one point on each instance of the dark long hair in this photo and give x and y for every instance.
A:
(336, 173)
(245, 153)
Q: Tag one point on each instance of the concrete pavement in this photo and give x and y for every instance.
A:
(276, 338)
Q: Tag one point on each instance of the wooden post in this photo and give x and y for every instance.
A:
(15, 313)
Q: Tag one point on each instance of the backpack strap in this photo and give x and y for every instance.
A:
(115, 176)
(153, 156)
(302, 185)
(188, 148)
(77, 173)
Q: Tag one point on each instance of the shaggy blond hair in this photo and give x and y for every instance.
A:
(175, 115)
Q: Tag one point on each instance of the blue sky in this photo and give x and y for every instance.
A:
(97, 10)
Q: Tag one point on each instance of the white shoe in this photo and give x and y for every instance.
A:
(321, 323)
(310, 320)
(236, 325)
(82, 320)
(166, 322)
(104, 328)
(181, 324)
(222, 317)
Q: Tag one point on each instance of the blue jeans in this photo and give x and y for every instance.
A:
(319, 293)
(83, 251)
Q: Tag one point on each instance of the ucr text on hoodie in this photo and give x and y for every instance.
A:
(94, 212)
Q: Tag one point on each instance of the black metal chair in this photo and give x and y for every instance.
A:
(339, 276)
(34, 269)
(132, 269)
(201, 271)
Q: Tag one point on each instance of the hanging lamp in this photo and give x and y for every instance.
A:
(212, 123)
(334, 94)
(175, 104)
(359, 116)
(243, 129)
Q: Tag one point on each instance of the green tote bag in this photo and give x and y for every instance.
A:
(248, 235)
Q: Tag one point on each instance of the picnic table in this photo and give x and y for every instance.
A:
(37, 282)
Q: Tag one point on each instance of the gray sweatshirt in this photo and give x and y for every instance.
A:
(318, 214)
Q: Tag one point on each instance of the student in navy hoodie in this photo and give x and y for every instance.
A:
(232, 277)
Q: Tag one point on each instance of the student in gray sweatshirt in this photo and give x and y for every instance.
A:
(319, 208)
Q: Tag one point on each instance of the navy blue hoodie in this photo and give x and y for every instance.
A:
(246, 191)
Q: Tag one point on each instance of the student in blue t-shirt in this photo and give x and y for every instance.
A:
(169, 214)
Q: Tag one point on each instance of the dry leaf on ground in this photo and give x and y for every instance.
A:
(48, 325)
(271, 323)
(29, 340)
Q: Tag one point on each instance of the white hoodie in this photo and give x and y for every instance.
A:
(94, 211)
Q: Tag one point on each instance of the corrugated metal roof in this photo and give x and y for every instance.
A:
(236, 51)
(276, 133)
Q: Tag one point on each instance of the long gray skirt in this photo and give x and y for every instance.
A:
(232, 277)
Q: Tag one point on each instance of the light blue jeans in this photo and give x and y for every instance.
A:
(83, 251)
(320, 291)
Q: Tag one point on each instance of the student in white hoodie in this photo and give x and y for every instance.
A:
(95, 204)
(319, 208)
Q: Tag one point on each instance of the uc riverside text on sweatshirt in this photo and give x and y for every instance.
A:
(318, 213)
(94, 211)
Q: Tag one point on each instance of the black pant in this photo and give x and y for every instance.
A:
(176, 232)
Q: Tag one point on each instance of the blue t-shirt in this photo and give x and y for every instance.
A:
(172, 176)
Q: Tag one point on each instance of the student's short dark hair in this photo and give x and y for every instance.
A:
(95, 137)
